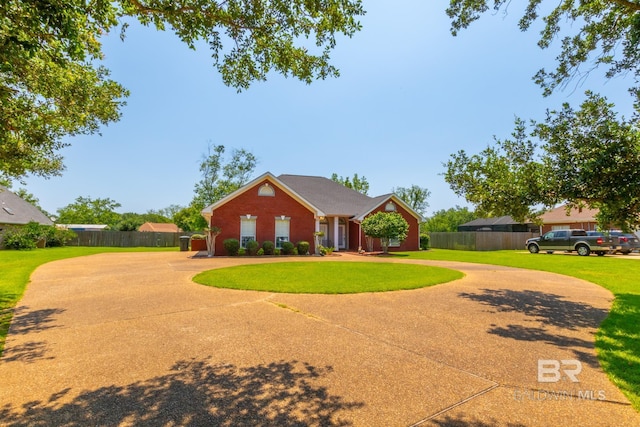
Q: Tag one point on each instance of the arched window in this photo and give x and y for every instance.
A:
(266, 190)
(390, 207)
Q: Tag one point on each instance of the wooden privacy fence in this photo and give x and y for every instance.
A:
(480, 240)
(125, 239)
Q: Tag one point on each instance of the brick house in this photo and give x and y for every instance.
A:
(558, 219)
(294, 207)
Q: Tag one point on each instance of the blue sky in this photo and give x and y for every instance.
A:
(409, 95)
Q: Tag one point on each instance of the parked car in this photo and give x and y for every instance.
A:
(626, 242)
(572, 240)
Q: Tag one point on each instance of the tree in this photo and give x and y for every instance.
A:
(414, 196)
(385, 226)
(219, 179)
(505, 179)
(131, 221)
(86, 210)
(190, 219)
(361, 185)
(52, 84)
(587, 157)
(607, 33)
(447, 220)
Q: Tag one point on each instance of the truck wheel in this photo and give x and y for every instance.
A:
(583, 250)
(533, 248)
(601, 253)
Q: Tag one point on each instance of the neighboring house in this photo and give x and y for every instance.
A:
(159, 227)
(503, 223)
(294, 207)
(557, 219)
(83, 227)
(15, 211)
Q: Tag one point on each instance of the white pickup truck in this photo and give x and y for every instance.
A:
(572, 240)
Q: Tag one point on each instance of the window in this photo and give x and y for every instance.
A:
(266, 190)
(390, 207)
(282, 230)
(247, 230)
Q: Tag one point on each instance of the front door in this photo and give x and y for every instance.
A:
(324, 228)
(342, 234)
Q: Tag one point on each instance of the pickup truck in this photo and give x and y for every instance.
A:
(572, 240)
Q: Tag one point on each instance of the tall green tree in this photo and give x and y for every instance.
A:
(592, 32)
(447, 220)
(361, 185)
(218, 178)
(415, 196)
(52, 83)
(86, 210)
(385, 226)
(586, 157)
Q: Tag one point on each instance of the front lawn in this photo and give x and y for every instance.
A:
(17, 267)
(332, 277)
(618, 339)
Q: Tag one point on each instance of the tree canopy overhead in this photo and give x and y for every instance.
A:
(52, 84)
(587, 157)
(594, 32)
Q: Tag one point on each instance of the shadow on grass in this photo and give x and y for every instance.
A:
(618, 345)
(550, 309)
(195, 393)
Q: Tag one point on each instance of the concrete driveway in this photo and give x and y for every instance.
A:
(129, 339)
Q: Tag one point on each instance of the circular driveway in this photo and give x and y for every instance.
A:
(128, 339)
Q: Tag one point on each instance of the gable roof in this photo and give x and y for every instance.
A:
(321, 195)
(332, 198)
(159, 227)
(483, 222)
(16, 211)
(207, 211)
(559, 215)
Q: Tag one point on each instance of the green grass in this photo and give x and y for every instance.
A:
(326, 277)
(17, 267)
(618, 338)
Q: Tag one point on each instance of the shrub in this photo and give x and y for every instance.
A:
(251, 247)
(260, 252)
(268, 247)
(232, 246)
(303, 247)
(242, 252)
(56, 237)
(287, 248)
(424, 241)
(276, 251)
(16, 238)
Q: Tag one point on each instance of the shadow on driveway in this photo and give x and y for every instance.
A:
(195, 393)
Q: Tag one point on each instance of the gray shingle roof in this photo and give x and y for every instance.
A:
(15, 211)
(501, 220)
(329, 196)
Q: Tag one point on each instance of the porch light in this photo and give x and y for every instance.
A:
(248, 216)
(282, 217)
